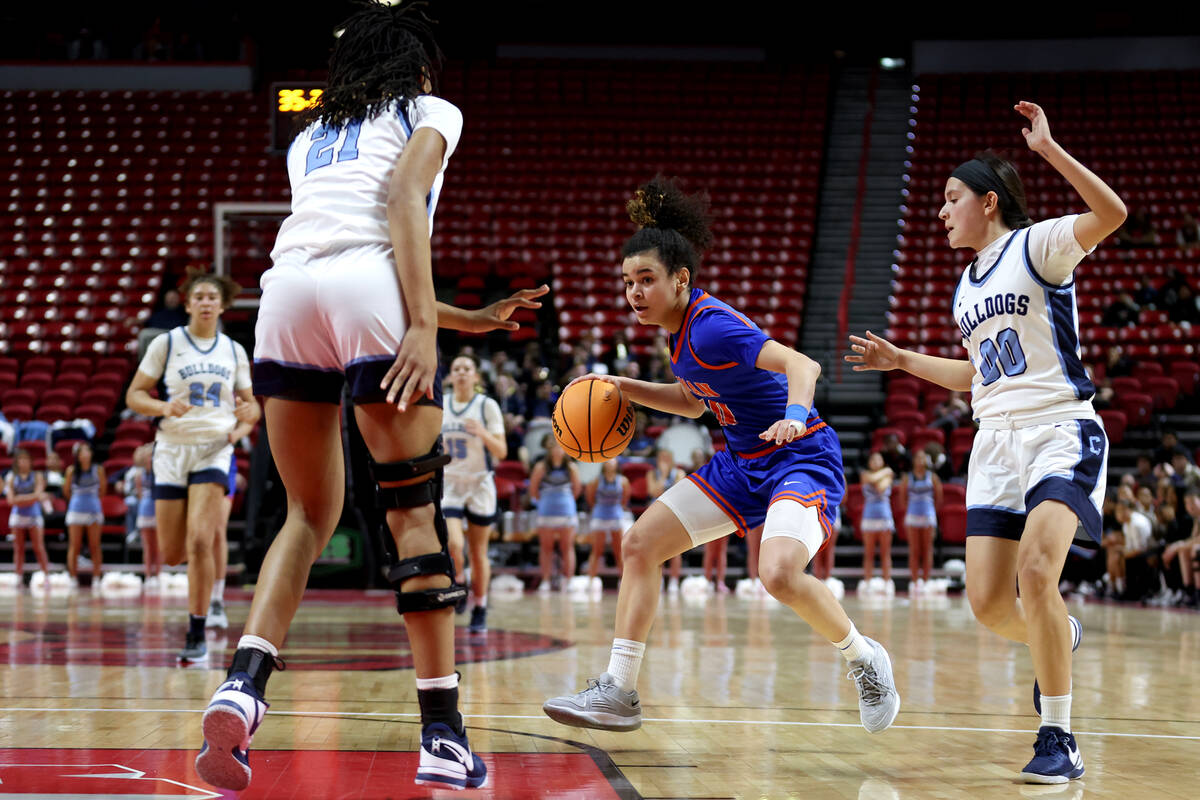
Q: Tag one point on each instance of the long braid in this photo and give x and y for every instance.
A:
(384, 54)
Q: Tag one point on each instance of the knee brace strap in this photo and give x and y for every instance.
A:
(415, 494)
(412, 496)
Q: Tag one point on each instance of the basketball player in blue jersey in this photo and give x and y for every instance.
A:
(782, 468)
(349, 299)
(1038, 466)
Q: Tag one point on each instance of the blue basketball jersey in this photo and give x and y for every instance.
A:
(713, 356)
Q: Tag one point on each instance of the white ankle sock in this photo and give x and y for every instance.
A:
(257, 643)
(1057, 711)
(625, 662)
(446, 682)
(218, 591)
(854, 646)
(480, 602)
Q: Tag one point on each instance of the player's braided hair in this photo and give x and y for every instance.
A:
(384, 53)
(228, 287)
(671, 222)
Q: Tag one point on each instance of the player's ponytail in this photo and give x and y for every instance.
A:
(671, 222)
(989, 172)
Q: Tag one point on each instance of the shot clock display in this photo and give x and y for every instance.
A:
(288, 100)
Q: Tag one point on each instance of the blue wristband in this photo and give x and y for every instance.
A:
(797, 412)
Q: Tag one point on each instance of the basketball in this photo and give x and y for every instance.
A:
(593, 421)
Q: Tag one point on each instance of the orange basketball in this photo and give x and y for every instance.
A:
(593, 421)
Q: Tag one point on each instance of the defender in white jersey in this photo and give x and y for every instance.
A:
(350, 300)
(205, 404)
(473, 435)
(1039, 460)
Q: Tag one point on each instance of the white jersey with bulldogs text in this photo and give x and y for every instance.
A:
(204, 372)
(470, 456)
(1022, 330)
(346, 207)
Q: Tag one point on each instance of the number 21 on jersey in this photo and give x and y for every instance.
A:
(706, 395)
(325, 138)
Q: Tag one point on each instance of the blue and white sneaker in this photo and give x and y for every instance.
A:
(1076, 638)
(447, 760)
(232, 717)
(1056, 757)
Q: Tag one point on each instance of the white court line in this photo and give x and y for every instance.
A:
(780, 723)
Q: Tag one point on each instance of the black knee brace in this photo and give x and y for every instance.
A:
(412, 496)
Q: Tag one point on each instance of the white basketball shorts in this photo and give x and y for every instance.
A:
(1014, 469)
(474, 499)
(328, 320)
(177, 466)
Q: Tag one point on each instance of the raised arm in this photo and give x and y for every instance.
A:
(875, 352)
(1106, 210)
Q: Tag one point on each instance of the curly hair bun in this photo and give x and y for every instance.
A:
(660, 203)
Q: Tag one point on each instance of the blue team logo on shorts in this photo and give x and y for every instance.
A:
(1096, 443)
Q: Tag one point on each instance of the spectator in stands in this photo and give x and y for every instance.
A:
(894, 455)
(1184, 551)
(541, 406)
(155, 44)
(54, 474)
(167, 315)
(1168, 446)
(1145, 295)
(1117, 364)
(1122, 546)
(1122, 312)
(939, 461)
(1138, 230)
(1104, 391)
(641, 446)
(187, 47)
(1184, 476)
(1169, 291)
(950, 414)
(1188, 234)
(83, 485)
(512, 404)
(1186, 308)
(86, 46)
(1143, 471)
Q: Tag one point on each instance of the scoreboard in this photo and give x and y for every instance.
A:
(287, 101)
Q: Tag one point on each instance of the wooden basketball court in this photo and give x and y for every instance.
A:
(741, 700)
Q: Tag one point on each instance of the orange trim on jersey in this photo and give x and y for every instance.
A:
(721, 502)
(767, 449)
(815, 500)
(687, 318)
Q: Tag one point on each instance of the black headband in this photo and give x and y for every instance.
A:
(981, 178)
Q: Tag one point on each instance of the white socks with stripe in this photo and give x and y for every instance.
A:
(625, 662)
(257, 643)
(854, 646)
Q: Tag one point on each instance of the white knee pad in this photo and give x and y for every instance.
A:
(791, 520)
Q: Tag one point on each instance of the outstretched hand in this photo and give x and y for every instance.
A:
(496, 316)
(873, 352)
(1037, 135)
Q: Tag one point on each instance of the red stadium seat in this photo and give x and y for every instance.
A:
(923, 436)
(1114, 424)
(1165, 392)
(952, 522)
(854, 507)
(1138, 408)
(1187, 373)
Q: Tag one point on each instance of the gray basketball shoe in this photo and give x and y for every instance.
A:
(603, 705)
(878, 700)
